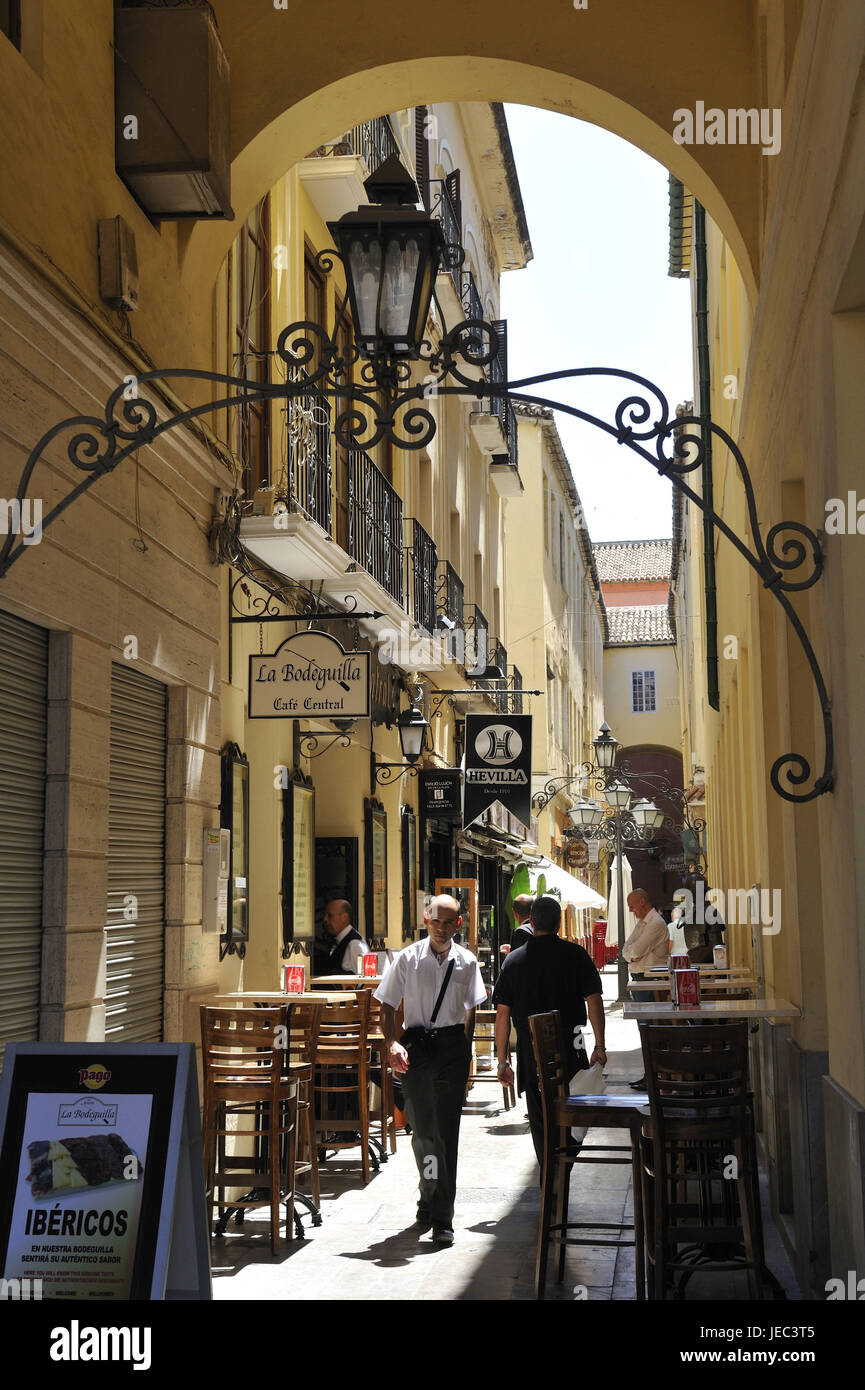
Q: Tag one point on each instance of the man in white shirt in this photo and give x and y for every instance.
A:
(440, 986)
(348, 944)
(648, 944)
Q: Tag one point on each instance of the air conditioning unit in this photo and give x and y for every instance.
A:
(171, 111)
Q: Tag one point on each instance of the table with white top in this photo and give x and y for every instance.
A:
(663, 983)
(664, 1010)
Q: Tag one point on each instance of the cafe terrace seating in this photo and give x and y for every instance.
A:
(561, 1111)
(701, 1119)
(247, 1076)
(342, 1071)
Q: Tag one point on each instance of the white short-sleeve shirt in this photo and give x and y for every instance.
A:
(415, 976)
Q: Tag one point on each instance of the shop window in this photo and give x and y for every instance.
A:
(643, 692)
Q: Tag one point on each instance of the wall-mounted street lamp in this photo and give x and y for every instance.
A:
(413, 729)
(391, 253)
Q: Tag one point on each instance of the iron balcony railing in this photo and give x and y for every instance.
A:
(471, 300)
(450, 594)
(375, 524)
(499, 658)
(372, 141)
(477, 640)
(307, 481)
(443, 208)
(508, 419)
(516, 690)
(423, 559)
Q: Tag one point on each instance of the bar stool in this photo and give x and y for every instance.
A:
(381, 1076)
(561, 1111)
(701, 1117)
(246, 1073)
(485, 1032)
(304, 1025)
(342, 1069)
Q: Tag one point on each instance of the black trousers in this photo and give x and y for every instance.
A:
(529, 1077)
(434, 1088)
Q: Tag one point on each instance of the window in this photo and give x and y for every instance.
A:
(249, 288)
(643, 698)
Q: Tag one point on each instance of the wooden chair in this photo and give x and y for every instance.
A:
(342, 1069)
(701, 1117)
(382, 1077)
(304, 1027)
(485, 1024)
(561, 1111)
(247, 1074)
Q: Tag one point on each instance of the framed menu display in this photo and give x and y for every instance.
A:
(298, 845)
(465, 890)
(101, 1180)
(408, 827)
(376, 871)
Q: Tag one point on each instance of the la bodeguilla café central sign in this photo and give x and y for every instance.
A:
(310, 675)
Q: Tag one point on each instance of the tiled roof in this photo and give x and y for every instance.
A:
(619, 561)
(635, 626)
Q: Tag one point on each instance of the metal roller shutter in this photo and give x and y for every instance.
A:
(135, 929)
(23, 708)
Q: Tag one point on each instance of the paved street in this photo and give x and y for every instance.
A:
(368, 1248)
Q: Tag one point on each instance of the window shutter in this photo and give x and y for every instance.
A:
(421, 153)
(637, 692)
(649, 685)
(452, 182)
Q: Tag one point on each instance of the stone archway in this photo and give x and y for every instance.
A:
(627, 69)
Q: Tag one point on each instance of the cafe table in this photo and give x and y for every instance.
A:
(708, 970)
(320, 982)
(729, 982)
(663, 1010)
(275, 996)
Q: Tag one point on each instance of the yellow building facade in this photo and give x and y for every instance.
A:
(130, 558)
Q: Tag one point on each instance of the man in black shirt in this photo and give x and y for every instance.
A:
(523, 933)
(543, 975)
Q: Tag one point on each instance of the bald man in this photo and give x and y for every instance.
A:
(348, 945)
(439, 984)
(649, 942)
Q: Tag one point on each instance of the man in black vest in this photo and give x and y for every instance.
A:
(348, 944)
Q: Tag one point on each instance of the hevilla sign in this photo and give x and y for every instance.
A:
(309, 675)
(498, 765)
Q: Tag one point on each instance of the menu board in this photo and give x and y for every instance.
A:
(101, 1186)
(304, 832)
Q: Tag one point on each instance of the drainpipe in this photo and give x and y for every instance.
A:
(703, 388)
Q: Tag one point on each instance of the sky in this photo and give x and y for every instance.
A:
(597, 294)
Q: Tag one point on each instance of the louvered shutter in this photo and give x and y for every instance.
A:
(135, 929)
(452, 181)
(23, 710)
(421, 153)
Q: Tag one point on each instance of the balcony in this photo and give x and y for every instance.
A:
(469, 297)
(516, 690)
(477, 642)
(423, 561)
(337, 521)
(445, 210)
(334, 173)
(450, 593)
(500, 688)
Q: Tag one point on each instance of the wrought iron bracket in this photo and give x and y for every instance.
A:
(383, 400)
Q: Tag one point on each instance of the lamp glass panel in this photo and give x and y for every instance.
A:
(365, 269)
(402, 261)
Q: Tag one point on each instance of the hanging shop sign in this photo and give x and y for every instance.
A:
(309, 675)
(101, 1180)
(441, 793)
(578, 854)
(498, 765)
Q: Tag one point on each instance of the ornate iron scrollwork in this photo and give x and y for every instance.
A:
(387, 404)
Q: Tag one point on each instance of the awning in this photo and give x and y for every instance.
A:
(571, 890)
